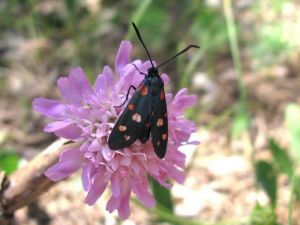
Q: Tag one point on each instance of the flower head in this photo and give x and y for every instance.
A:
(87, 114)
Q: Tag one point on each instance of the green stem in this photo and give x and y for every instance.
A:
(198, 56)
(232, 35)
(137, 16)
(291, 200)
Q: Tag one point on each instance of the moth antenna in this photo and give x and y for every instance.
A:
(178, 54)
(141, 40)
(139, 70)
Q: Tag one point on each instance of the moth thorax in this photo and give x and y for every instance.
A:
(156, 85)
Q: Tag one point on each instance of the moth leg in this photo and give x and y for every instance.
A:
(131, 87)
(139, 70)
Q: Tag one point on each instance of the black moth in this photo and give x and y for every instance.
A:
(146, 112)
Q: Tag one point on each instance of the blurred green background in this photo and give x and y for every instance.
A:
(246, 171)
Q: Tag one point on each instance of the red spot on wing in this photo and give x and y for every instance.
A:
(131, 107)
(144, 90)
(162, 95)
(136, 117)
(122, 128)
(160, 122)
(127, 137)
(141, 85)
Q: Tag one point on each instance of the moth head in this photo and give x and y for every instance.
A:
(152, 71)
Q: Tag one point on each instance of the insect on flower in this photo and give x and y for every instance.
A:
(146, 112)
(84, 115)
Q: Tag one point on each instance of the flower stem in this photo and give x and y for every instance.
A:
(27, 183)
(241, 120)
(291, 200)
(234, 48)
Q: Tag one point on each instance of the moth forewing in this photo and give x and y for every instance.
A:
(131, 122)
(159, 124)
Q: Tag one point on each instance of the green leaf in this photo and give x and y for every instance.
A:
(263, 216)
(266, 177)
(9, 161)
(281, 158)
(162, 195)
(292, 120)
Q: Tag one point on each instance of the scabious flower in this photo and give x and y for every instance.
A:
(87, 114)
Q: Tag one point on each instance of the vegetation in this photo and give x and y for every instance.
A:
(245, 75)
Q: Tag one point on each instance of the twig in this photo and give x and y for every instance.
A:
(28, 182)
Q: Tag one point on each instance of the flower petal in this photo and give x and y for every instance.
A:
(75, 88)
(122, 58)
(57, 125)
(98, 186)
(108, 73)
(101, 85)
(86, 176)
(176, 174)
(182, 101)
(70, 160)
(50, 108)
(125, 81)
(124, 210)
(94, 146)
(80, 82)
(107, 153)
(165, 78)
(67, 91)
(113, 203)
(115, 185)
(71, 132)
(140, 188)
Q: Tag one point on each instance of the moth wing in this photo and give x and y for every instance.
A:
(132, 120)
(145, 134)
(159, 125)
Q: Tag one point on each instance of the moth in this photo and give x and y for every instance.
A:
(146, 113)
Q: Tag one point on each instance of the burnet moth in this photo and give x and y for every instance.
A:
(146, 112)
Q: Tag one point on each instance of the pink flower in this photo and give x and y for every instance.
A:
(87, 114)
